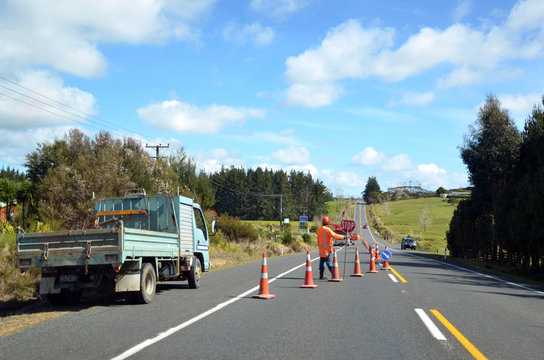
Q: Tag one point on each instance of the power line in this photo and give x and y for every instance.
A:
(100, 122)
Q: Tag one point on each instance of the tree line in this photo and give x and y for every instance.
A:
(63, 176)
(501, 222)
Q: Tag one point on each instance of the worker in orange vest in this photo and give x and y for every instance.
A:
(325, 240)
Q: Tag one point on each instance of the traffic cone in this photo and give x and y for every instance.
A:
(308, 279)
(386, 263)
(357, 267)
(372, 268)
(377, 253)
(263, 288)
(335, 272)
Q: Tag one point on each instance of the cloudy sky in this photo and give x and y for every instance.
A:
(343, 89)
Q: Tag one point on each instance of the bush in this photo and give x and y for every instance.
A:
(287, 238)
(307, 238)
(6, 228)
(236, 230)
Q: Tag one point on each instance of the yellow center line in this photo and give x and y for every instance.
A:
(463, 340)
(396, 273)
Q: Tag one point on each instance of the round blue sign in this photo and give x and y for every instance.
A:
(386, 255)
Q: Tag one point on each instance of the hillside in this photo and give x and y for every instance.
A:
(403, 218)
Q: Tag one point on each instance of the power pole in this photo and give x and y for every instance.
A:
(157, 148)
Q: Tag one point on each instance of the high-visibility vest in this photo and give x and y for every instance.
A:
(325, 238)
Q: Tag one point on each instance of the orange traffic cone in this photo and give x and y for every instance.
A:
(372, 268)
(386, 263)
(335, 272)
(357, 267)
(308, 279)
(377, 253)
(263, 288)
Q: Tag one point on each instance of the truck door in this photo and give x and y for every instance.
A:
(201, 238)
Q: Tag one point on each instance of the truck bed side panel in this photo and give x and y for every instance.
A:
(69, 248)
(145, 243)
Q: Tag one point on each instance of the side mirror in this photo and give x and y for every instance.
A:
(214, 227)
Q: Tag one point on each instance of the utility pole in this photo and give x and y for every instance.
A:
(157, 148)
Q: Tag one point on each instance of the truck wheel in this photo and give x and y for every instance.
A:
(148, 285)
(194, 274)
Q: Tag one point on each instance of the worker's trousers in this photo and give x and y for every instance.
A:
(325, 260)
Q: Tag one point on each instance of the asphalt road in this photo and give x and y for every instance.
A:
(378, 316)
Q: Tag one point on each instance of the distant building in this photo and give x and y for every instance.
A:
(3, 211)
(459, 193)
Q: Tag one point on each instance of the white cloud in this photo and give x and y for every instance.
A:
(253, 33)
(312, 95)
(17, 143)
(292, 156)
(65, 34)
(399, 162)
(521, 105)
(39, 100)
(212, 161)
(461, 10)
(189, 119)
(430, 169)
(418, 99)
(369, 156)
(351, 51)
(278, 8)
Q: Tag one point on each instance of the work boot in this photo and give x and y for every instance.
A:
(321, 276)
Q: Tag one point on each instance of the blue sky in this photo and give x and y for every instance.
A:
(343, 89)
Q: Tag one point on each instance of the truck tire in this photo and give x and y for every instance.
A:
(194, 274)
(148, 285)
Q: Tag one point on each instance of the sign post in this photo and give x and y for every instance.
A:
(348, 226)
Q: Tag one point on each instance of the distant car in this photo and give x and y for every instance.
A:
(408, 243)
(365, 226)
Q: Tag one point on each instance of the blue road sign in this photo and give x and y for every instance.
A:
(386, 255)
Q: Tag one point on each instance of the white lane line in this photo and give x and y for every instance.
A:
(430, 325)
(393, 277)
(137, 348)
(489, 276)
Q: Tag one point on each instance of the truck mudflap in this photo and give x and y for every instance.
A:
(128, 277)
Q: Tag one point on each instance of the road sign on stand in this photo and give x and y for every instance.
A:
(348, 225)
(386, 255)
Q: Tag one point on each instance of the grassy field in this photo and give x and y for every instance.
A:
(402, 218)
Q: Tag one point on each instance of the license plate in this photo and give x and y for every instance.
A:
(68, 278)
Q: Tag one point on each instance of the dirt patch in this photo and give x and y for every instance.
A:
(28, 316)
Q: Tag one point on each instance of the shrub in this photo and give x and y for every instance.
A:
(287, 238)
(236, 230)
(307, 238)
(6, 228)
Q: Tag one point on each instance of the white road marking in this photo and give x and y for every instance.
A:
(430, 325)
(490, 277)
(137, 348)
(393, 277)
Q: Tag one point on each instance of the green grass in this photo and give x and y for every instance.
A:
(404, 217)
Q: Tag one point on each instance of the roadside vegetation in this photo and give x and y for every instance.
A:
(501, 223)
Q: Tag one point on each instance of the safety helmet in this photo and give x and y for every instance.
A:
(326, 220)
